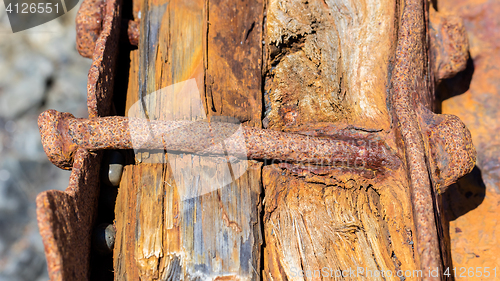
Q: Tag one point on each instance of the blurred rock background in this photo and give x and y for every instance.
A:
(39, 69)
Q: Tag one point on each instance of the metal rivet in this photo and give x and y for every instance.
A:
(104, 238)
(113, 168)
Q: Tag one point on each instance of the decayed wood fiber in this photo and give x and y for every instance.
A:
(327, 63)
(163, 233)
(340, 226)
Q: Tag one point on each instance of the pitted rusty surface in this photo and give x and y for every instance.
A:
(449, 44)
(452, 154)
(65, 220)
(62, 134)
(474, 96)
(408, 79)
(101, 74)
(88, 26)
(90, 23)
(270, 144)
(317, 151)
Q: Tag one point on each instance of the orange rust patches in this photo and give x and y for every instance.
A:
(451, 152)
(474, 96)
(133, 32)
(449, 45)
(289, 115)
(65, 219)
(90, 23)
(205, 138)
(225, 218)
(227, 278)
(100, 82)
(88, 26)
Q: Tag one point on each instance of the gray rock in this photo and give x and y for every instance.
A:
(39, 69)
(24, 85)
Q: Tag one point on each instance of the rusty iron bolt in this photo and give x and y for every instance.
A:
(452, 153)
(62, 134)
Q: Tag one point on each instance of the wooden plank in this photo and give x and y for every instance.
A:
(234, 59)
(320, 77)
(185, 215)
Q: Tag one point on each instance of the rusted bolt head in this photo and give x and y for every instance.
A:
(452, 153)
(449, 44)
(52, 125)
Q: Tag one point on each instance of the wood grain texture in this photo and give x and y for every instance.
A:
(183, 216)
(315, 230)
(199, 60)
(234, 59)
(320, 71)
(324, 52)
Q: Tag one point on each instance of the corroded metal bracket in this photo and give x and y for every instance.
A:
(66, 218)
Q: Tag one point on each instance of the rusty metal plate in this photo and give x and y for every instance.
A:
(66, 218)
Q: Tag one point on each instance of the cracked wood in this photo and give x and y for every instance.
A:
(164, 228)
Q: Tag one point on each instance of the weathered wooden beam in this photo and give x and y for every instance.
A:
(186, 216)
(321, 69)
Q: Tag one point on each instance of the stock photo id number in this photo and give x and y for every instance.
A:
(26, 14)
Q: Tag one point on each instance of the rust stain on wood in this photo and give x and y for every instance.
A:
(234, 59)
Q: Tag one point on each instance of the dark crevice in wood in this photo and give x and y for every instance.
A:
(292, 45)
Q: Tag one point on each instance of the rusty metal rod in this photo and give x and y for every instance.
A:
(407, 77)
(62, 134)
